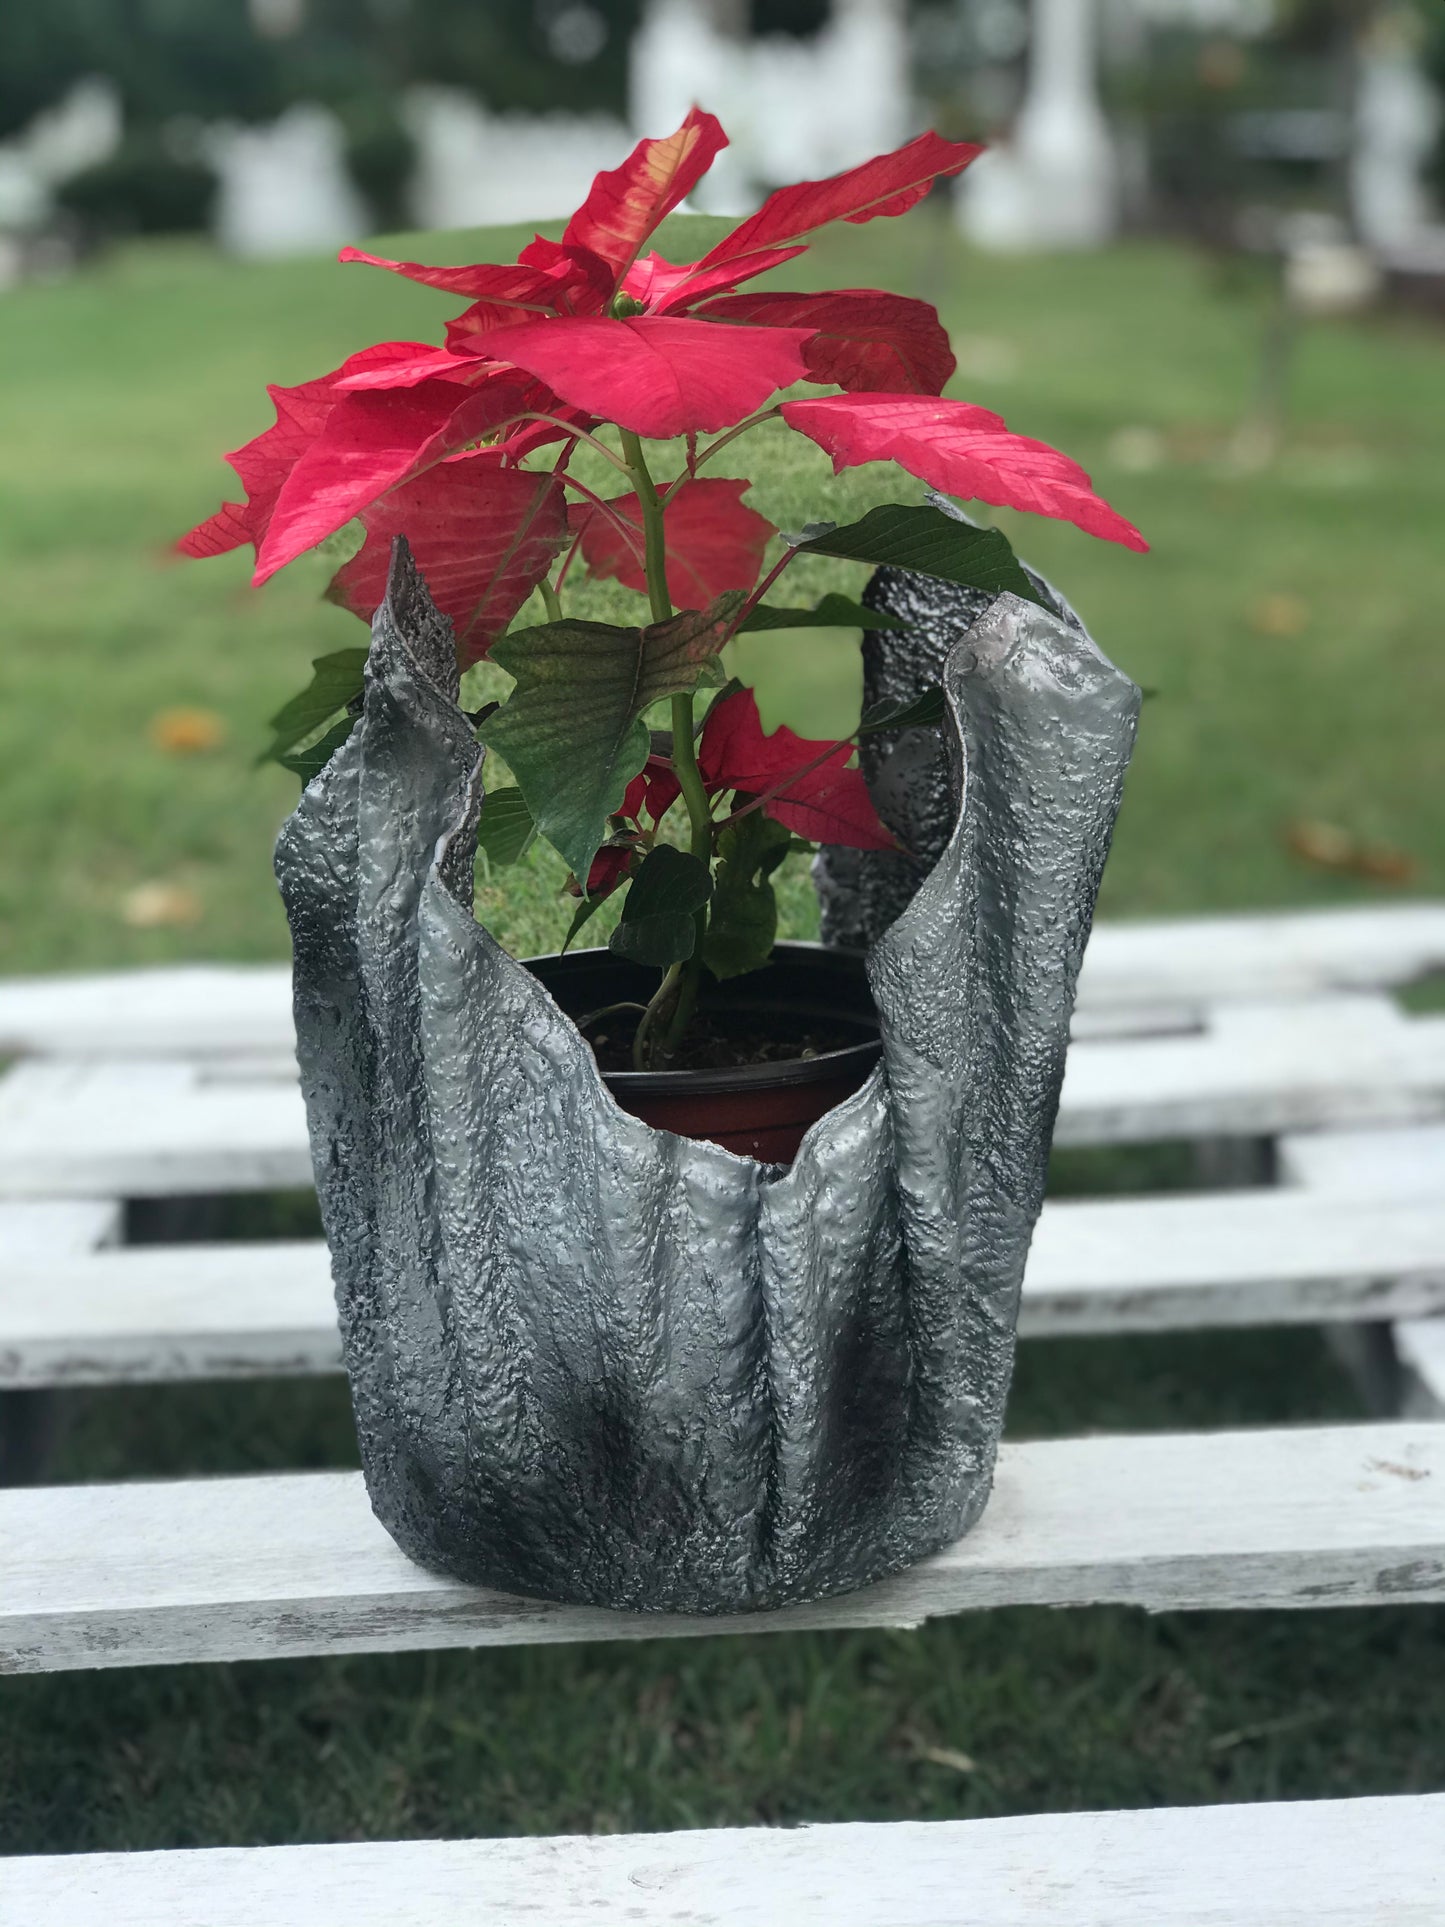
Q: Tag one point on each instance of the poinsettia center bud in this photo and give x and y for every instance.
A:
(625, 304)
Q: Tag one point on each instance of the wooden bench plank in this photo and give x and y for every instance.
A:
(155, 1312)
(286, 1565)
(163, 1128)
(1325, 1863)
(218, 1009)
(41, 1232)
(1401, 1162)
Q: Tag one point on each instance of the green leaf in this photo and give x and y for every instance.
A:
(931, 542)
(572, 732)
(336, 680)
(905, 712)
(659, 918)
(833, 612)
(506, 831)
(743, 924)
(310, 761)
(584, 913)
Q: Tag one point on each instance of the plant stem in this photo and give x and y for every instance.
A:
(550, 601)
(681, 980)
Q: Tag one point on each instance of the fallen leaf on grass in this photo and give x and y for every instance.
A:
(186, 732)
(1280, 614)
(1329, 847)
(159, 906)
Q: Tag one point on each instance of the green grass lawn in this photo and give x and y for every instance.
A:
(119, 389)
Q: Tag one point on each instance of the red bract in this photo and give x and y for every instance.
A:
(825, 801)
(864, 339)
(263, 466)
(962, 450)
(654, 790)
(627, 204)
(714, 541)
(676, 367)
(890, 184)
(483, 536)
(658, 375)
(371, 444)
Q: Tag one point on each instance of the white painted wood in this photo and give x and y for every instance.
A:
(1205, 960)
(1420, 1348)
(1403, 1162)
(166, 1127)
(237, 1310)
(38, 1234)
(1258, 1070)
(192, 1010)
(202, 1010)
(282, 1566)
(1326, 1863)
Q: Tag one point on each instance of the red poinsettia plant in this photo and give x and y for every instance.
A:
(467, 451)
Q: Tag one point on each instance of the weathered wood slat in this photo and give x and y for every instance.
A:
(150, 1313)
(155, 1129)
(1393, 1170)
(1401, 1162)
(1326, 1863)
(37, 1233)
(274, 1567)
(1188, 963)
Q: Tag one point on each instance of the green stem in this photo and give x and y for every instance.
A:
(682, 981)
(550, 601)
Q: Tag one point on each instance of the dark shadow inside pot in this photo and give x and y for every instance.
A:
(759, 1110)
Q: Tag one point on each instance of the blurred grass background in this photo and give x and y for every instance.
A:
(1288, 620)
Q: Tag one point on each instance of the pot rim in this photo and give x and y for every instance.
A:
(740, 1077)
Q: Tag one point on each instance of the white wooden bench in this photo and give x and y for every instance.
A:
(154, 1085)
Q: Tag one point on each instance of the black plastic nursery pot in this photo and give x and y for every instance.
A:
(760, 1110)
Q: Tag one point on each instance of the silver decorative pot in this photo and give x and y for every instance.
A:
(596, 1362)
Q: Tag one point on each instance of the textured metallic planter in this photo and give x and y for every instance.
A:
(595, 1362)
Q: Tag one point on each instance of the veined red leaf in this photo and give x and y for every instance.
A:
(229, 528)
(658, 375)
(626, 203)
(714, 541)
(888, 184)
(483, 537)
(828, 803)
(655, 789)
(508, 290)
(667, 288)
(962, 450)
(865, 339)
(264, 464)
(402, 364)
(371, 443)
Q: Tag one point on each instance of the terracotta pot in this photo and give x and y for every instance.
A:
(760, 1110)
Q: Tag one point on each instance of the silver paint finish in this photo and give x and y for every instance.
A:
(598, 1363)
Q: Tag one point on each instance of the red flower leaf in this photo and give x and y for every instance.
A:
(656, 374)
(889, 184)
(865, 340)
(264, 465)
(483, 537)
(627, 203)
(501, 293)
(402, 364)
(228, 528)
(655, 789)
(666, 288)
(962, 450)
(714, 541)
(371, 443)
(826, 804)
